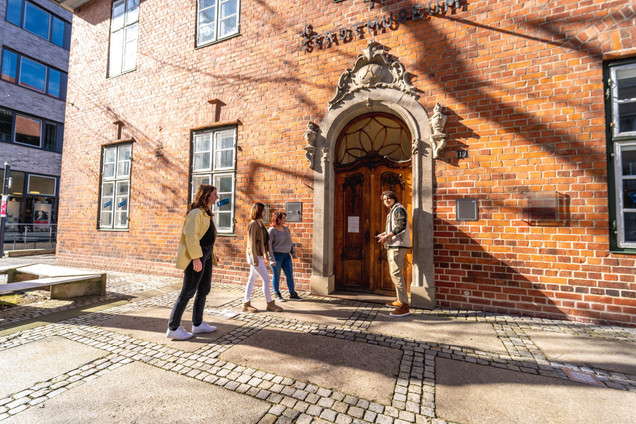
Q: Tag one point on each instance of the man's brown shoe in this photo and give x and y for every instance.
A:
(247, 307)
(400, 311)
(394, 304)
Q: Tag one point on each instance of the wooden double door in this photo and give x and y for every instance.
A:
(360, 263)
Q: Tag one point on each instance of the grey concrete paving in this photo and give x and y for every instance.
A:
(24, 366)
(445, 331)
(138, 393)
(322, 312)
(364, 371)
(105, 359)
(151, 324)
(477, 394)
(608, 354)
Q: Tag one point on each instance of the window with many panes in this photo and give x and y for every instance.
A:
(40, 22)
(214, 162)
(115, 191)
(123, 36)
(21, 70)
(216, 20)
(29, 130)
(622, 92)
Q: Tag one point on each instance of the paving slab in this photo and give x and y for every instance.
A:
(321, 312)
(606, 354)
(475, 394)
(23, 366)
(151, 324)
(455, 332)
(353, 368)
(139, 393)
(218, 297)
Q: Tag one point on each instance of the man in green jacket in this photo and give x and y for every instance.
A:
(397, 241)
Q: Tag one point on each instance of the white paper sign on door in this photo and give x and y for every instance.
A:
(353, 224)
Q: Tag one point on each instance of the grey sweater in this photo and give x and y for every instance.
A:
(281, 241)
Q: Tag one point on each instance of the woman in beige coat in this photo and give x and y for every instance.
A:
(195, 256)
(258, 248)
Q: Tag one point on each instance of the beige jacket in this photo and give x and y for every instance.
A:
(256, 245)
(196, 225)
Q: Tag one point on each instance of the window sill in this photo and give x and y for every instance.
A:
(220, 40)
(122, 73)
(114, 230)
(623, 251)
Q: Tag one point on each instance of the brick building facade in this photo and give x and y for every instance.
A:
(317, 107)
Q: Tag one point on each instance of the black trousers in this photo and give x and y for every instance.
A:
(198, 283)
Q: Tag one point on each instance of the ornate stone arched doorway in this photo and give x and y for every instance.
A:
(373, 154)
(376, 84)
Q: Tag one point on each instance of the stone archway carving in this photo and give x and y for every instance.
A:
(382, 87)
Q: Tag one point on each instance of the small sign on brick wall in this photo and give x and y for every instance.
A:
(544, 208)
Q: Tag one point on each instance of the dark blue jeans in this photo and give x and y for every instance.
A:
(198, 283)
(284, 261)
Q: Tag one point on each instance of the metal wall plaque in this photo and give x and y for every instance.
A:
(541, 207)
(294, 211)
(466, 210)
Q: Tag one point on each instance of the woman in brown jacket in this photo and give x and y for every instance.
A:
(258, 248)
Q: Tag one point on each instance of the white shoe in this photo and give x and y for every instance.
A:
(178, 334)
(203, 328)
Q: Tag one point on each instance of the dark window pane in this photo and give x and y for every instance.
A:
(54, 83)
(629, 194)
(27, 130)
(6, 125)
(628, 159)
(9, 65)
(630, 227)
(41, 185)
(626, 83)
(627, 117)
(14, 12)
(50, 136)
(32, 75)
(37, 21)
(17, 183)
(57, 33)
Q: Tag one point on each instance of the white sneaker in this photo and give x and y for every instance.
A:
(178, 334)
(203, 328)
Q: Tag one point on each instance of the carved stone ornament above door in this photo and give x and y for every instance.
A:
(375, 67)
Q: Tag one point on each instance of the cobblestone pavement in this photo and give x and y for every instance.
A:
(291, 400)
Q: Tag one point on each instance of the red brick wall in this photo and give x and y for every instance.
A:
(520, 81)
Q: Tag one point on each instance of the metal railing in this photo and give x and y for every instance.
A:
(23, 235)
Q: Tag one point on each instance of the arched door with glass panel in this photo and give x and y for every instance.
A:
(373, 154)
